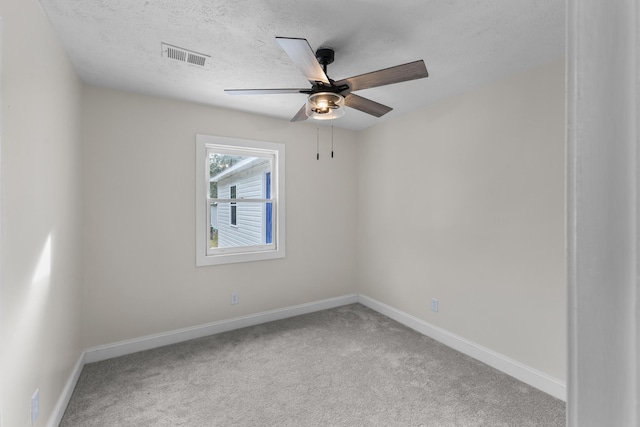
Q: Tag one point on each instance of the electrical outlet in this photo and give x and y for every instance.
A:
(35, 406)
(434, 305)
(235, 299)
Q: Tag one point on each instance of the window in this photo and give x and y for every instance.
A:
(234, 207)
(239, 200)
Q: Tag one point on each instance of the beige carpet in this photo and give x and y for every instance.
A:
(348, 366)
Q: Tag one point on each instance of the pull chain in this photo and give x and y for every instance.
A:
(318, 143)
(332, 141)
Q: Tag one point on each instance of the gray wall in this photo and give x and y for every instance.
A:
(464, 202)
(139, 263)
(40, 276)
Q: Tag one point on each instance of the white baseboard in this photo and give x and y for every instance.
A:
(103, 352)
(509, 366)
(96, 354)
(67, 391)
(524, 373)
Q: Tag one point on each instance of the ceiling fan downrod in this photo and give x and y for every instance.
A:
(325, 56)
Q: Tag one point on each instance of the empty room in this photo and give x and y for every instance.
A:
(355, 213)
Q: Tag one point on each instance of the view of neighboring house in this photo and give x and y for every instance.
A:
(243, 223)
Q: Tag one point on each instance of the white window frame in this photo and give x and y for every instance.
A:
(206, 256)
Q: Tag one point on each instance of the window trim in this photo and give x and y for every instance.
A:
(242, 254)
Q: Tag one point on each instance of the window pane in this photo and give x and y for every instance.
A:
(234, 214)
(251, 225)
(213, 225)
(268, 227)
(227, 171)
(218, 163)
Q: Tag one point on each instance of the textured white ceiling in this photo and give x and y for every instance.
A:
(464, 43)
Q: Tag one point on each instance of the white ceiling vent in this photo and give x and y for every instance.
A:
(184, 55)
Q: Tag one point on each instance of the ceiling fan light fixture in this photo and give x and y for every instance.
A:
(325, 106)
(325, 101)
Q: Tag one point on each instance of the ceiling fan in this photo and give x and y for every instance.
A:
(327, 98)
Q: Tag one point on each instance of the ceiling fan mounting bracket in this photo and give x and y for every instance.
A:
(325, 56)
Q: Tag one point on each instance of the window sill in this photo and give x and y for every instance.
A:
(220, 259)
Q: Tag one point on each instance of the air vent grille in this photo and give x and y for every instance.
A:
(196, 59)
(184, 55)
(174, 53)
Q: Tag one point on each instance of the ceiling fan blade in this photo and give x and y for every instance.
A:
(263, 91)
(301, 115)
(400, 73)
(366, 105)
(304, 57)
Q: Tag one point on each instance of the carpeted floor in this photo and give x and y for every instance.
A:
(347, 366)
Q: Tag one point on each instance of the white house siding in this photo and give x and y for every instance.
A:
(249, 216)
(214, 216)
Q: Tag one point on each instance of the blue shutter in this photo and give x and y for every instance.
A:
(269, 216)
